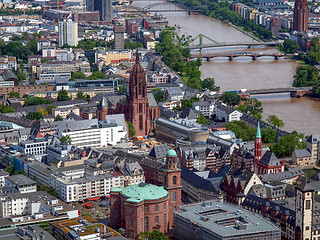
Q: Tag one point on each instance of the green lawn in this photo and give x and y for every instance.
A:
(310, 172)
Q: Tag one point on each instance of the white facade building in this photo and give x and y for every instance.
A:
(223, 112)
(68, 33)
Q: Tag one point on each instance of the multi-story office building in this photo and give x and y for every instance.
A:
(103, 6)
(118, 37)
(37, 146)
(52, 76)
(8, 62)
(68, 33)
(3, 176)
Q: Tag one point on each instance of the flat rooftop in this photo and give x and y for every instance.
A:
(21, 180)
(225, 219)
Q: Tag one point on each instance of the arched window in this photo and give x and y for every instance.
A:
(141, 225)
(131, 211)
(140, 123)
(164, 221)
(131, 223)
(157, 220)
(174, 196)
(174, 180)
(157, 208)
(174, 209)
(146, 224)
(164, 206)
(146, 209)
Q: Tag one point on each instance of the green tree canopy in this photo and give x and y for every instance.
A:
(209, 83)
(77, 75)
(275, 121)
(97, 75)
(34, 116)
(63, 95)
(268, 135)
(14, 95)
(132, 131)
(37, 101)
(290, 46)
(58, 118)
(201, 119)
(6, 109)
(231, 99)
(66, 139)
(287, 144)
(133, 45)
(158, 95)
(154, 235)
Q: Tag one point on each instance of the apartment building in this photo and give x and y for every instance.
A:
(8, 62)
(22, 183)
(3, 175)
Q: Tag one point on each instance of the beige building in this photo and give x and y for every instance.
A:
(302, 158)
(63, 112)
(104, 57)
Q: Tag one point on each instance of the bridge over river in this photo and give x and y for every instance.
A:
(231, 56)
(294, 91)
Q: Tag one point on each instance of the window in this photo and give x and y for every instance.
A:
(157, 220)
(146, 209)
(174, 197)
(307, 228)
(164, 206)
(164, 221)
(174, 180)
(131, 211)
(308, 204)
(175, 209)
(131, 223)
(146, 224)
(157, 208)
(115, 201)
(131, 234)
(141, 210)
(141, 225)
(140, 123)
(116, 214)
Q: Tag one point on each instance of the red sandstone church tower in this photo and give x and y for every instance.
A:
(172, 182)
(258, 146)
(137, 109)
(300, 16)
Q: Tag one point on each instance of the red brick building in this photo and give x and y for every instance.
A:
(139, 107)
(144, 207)
(300, 16)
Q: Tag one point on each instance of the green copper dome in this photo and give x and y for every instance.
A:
(171, 153)
(143, 191)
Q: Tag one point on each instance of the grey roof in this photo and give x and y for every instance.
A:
(269, 158)
(201, 103)
(159, 151)
(72, 125)
(116, 119)
(188, 113)
(287, 174)
(302, 153)
(9, 74)
(151, 100)
(73, 116)
(20, 180)
(4, 173)
(204, 218)
(314, 138)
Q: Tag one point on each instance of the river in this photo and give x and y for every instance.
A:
(300, 114)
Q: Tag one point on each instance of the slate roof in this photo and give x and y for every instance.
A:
(167, 113)
(257, 202)
(151, 100)
(290, 173)
(269, 158)
(20, 180)
(314, 138)
(300, 153)
(211, 184)
(159, 151)
(188, 113)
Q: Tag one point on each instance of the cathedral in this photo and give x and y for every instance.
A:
(139, 107)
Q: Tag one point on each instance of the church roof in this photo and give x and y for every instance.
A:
(269, 158)
(151, 100)
(159, 151)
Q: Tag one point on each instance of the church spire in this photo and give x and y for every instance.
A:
(258, 135)
(137, 56)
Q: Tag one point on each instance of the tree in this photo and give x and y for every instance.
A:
(42, 111)
(201, 119)
(52, 191)
(80, 95)
(287, 144)
(6, 109)
(58, 118)
(268, 135)
(63, 95)
(133, 45)
(43, 188)
(209, 83)
(242, 130)
(66, 139)
(14, 95)
(275, 121)
(132, 131)
(34, 116)
(154, 235)
(77, 75)
(97, 75)
(231, 99)
(253, 107)
(158, 95)
(290, 46)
